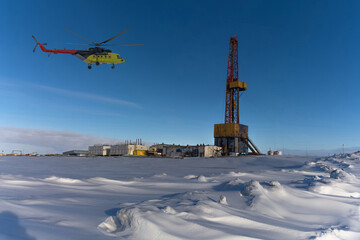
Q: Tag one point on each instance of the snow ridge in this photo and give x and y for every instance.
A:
(254, 208)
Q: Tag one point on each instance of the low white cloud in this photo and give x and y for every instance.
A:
(89, 96)
(71, 93)
(37, 140)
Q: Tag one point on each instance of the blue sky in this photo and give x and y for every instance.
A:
(300, 60)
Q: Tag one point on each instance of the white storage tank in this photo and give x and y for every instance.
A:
(278, 153)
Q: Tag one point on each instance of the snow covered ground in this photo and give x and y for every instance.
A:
(263, 197)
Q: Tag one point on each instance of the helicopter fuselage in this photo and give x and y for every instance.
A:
(95, 55)
(99, 58)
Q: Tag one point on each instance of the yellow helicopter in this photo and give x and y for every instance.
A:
(94, 55)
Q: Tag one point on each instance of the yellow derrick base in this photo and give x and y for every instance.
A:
(232, 130)
(238, 84)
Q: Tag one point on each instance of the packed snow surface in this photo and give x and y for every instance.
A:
(248, 197)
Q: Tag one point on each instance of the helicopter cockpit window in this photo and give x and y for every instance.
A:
(118, 56)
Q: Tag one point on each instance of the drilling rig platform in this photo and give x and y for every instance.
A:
(231, 135)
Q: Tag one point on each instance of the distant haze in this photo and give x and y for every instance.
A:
(46, 141)
(320, 152)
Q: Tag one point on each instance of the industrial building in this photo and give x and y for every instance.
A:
(167, 150)
(99, 150)
(77, 153)
(122, 149)
(270, 152)
(231, 135)
(128, 149)
(158, 149)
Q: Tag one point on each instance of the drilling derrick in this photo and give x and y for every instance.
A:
(233, 86)
(233, 136)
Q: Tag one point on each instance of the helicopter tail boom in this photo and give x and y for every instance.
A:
(55, 51)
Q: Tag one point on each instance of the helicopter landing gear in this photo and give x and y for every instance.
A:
(97, 63)
(89, 66)
(113, 66)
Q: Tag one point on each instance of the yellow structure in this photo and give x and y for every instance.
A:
(110, 58)
(239, 85)
(230, 130)
(140, 152)
(128, 149)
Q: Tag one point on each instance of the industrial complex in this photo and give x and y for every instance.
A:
(164, 150)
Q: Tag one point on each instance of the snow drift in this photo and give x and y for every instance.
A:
(259, 197)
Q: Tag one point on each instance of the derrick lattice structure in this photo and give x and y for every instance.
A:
(232, 94)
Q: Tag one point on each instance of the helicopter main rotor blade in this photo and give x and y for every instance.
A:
(80, 36)
(34, 38)
(123, 44)
(34, 48)
(78, 44)
(113, 37)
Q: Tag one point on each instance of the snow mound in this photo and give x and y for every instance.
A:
(339, 175)
(235, 174)
(63, 180)
(342, 175)
(333, 233)
(160, 175)
(249, 188)
(169, 210)
(339, 183)
(222, 200)
(202, 178)
(101, 180)
(172, 217)
(109, 225)
(191, 176)
(126, 221)
(235, 182)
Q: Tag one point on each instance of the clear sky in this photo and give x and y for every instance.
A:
(300, 60)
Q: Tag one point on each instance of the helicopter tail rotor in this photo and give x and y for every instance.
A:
(37, 43)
